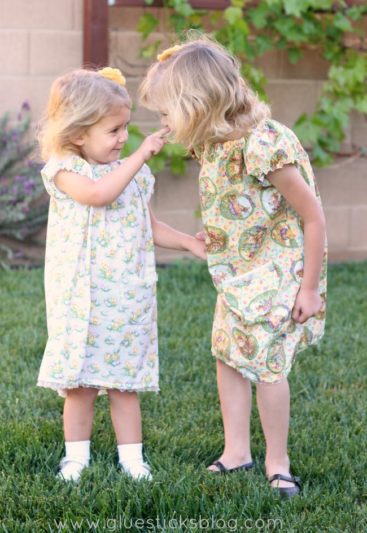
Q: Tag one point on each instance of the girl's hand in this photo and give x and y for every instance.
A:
(197, 248)
(153, 143)
(200, 235)
(307, 304)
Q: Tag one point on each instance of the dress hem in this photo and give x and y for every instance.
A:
(60, 388)
(282, 375)
(253, 378)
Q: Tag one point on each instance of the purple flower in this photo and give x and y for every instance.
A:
(20, 183)
(29, 186)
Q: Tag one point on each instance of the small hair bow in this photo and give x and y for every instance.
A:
(113, 74)
(168, 52)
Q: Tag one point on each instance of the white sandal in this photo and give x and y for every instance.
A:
(71, 469)
(137, 469)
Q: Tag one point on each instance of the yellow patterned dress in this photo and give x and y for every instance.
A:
(100, 285)
(255, 247)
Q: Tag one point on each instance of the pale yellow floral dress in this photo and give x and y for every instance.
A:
(100, 284)
(255, 250)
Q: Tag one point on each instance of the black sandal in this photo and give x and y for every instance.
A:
(287, 492)
(223, 470)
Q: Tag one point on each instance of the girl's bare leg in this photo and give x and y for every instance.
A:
(78, 420)
(273, 402)
(126, 416)
(126, 420)
(78, 413)
(235, 399)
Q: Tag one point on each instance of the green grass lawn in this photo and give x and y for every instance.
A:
(182, 425)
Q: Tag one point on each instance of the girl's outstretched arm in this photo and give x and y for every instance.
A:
(104, 191)
(300, 196)
(168, 237)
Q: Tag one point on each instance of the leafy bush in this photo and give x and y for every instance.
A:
(250, 29)
(173, 154)
(23, 205)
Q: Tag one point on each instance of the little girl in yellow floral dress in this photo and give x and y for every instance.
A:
(100, 278)
(265, 240)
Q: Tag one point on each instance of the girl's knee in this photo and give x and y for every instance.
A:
(84, 393)
(115, 394)
(269, 385)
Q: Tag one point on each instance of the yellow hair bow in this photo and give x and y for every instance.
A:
(113, 74)
(168, 52)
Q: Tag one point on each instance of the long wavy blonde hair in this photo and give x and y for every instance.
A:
(77, 101)
(200, 87)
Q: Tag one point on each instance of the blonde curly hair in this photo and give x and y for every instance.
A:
(200, 87)
(77, 101)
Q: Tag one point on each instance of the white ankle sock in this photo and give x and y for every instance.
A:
(79, 450)
(130, 452)
(131, 461)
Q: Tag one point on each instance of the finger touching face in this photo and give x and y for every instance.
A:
(165, 119)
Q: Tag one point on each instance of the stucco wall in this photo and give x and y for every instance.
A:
(39, 39)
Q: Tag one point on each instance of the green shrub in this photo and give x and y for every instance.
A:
(23, 204)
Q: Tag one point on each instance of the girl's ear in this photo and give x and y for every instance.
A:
(78, 141)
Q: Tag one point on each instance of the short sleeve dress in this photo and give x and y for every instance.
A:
(100, 284)
(255, 249)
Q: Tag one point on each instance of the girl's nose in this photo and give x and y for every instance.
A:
(124, 136)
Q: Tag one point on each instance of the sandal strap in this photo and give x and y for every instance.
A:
(245, 466)
(135, 462)
(67, 460)
(220, 466)
(223, 469)
(291, 479)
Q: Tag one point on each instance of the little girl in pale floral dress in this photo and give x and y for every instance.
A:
(100, 277)
(265, 236)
